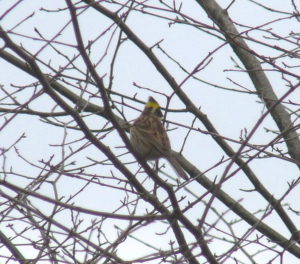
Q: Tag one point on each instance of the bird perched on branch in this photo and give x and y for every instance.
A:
(150, 139)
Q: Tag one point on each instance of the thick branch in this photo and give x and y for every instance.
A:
(256, 73)
(12, 248)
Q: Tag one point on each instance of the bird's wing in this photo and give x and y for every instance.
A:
(152, 130)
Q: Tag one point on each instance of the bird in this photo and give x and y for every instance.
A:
(150, 139)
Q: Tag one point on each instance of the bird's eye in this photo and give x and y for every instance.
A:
(158, 113)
